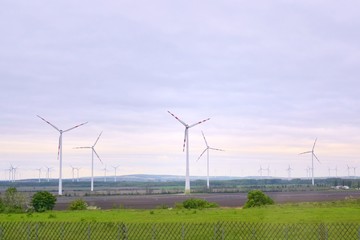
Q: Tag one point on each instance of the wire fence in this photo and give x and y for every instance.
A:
(180, 231)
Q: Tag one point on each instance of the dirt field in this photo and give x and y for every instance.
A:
(224, 200)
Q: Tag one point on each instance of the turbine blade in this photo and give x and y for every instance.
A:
(182, 122)
(202, 154)
(48, 123)
(316, 158)
(75, 127)
(59, 147)
(314, 144)
(204, 139)
(185, 139)
(305, 152)
(80, 147)
(199, 122)
(97, 139)
(98, 156)
(217, 149)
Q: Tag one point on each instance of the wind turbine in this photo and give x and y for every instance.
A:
(207, 151)
(115, 168)
(260, 171)
(289, 169)
(78, 170)
(39, 169)
(312, 161)
(92, 160)
(48, 172)
(72, 170)
(105, 169)
(348, 168)
(268, 171)
(186, 141)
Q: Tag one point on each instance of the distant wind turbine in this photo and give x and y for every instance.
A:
(60, 148)
(92, 160)
(105, 170)
(348, 169)
(207, 151)
(73, 175)
(312, 161)
(289, 169)
(48, 170)
(186, 141)
(39, 169)
(115, 168)
(260, 170)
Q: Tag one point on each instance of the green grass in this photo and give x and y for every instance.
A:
(331, 212)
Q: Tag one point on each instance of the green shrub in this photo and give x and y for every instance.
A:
(13, 201)
(196, 203)
(78, 204)
(257, 198)
(43, 201)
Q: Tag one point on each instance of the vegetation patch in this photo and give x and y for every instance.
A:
(78, 204)
(257, 198)
(197, 203)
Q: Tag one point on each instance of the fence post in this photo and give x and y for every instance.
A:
(36, 230)
(89, 231)
(28, 230)
(124, 232)
(1, 233)
(286, 232)
(153, 233)
(253, 233)
(62, 231)
(359, 233)
(182, 232)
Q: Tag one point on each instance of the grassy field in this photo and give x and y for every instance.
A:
(347, 211)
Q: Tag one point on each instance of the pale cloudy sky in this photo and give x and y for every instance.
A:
(271, 75)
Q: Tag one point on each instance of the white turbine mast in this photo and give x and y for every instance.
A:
(60, 147)
(207, 163)
(312, 161)
(39, 169)
(289, 169)
(48, 170)
(260, 170)
(72, 171)
(115, 168)
(105, 170)
(92, 160)
(186, 142)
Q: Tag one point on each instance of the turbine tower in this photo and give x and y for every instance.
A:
(73, 175)
(60, 148)
(289, 169)
(39, 169)
(105, 170)
(207, 151)
(115, 168)
(92, 160)
(186, 141)
(260, 171)
(48, 172)
(312, 161)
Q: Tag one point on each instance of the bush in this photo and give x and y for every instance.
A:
(13, 201)
(257, 198)
(78, 204)
(196, 203)
(43, 201)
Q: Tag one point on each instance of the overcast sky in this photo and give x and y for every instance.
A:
(271, 75)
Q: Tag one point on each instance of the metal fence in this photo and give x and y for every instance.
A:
(181, 231)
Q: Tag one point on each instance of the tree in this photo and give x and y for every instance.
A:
(78, 204)
(257, 198)
(43, 201)
(13, 201)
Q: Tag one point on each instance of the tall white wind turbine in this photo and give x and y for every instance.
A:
(60, 148)
(207, 162)
(186, 141)
(312, 161)
(92, 160)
